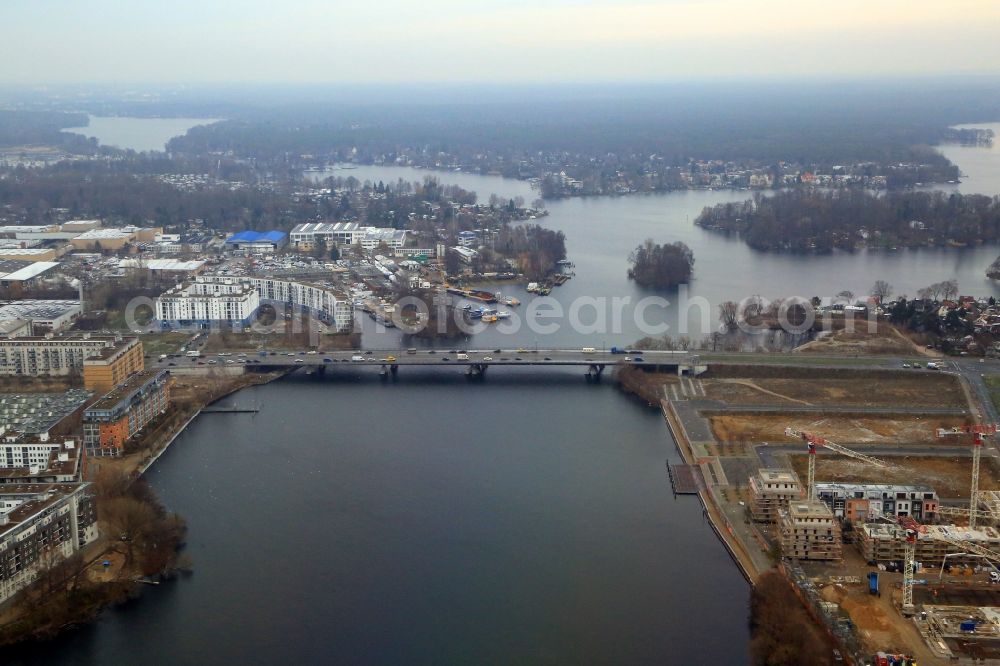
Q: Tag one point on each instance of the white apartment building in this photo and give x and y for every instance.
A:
(203, 303)
(328, 304)
(53, 355)
(39, 526)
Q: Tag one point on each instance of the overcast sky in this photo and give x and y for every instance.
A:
(131, 41)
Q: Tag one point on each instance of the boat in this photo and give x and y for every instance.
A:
(513, 301)
(532, 287)
(490, 318)
(503, 314)
(476, 314)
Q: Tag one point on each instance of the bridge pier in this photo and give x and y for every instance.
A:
(321, 371)
(594, 372)
(394, 369)
(476, 370)
(383, 372)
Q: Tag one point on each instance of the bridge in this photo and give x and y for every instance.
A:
(475, 361)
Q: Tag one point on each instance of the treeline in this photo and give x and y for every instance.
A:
(35, 128)
(661, 266)
(820, 221)
(31, 195)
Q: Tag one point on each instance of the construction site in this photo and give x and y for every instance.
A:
(875, 491)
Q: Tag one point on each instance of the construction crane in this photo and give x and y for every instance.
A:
(978, 431)
(912, 531)
(813, 441)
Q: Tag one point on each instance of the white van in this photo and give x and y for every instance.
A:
(462, 357)
(589, 350)
(357, 358)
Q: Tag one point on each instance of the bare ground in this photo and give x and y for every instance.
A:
(950, 477)
(913, 430)
(922, 389)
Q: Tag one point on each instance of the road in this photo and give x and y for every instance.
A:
(402, 357)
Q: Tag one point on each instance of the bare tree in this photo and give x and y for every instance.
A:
(949, 289)
(881, 291)
(729, 314)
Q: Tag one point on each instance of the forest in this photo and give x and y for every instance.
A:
(820, 221)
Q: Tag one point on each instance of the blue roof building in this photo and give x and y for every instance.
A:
(257, 240)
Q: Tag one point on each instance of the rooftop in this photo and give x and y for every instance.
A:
(257, 237)
(325, 227)
(30, 271)
(34, 413)
(37, 309)
(128, 388)
(98, 234)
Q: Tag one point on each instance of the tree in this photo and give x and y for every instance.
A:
(881, 291)
(949, 289)
(661, 266)
(729, 313)
(847, 296)
(319, 250)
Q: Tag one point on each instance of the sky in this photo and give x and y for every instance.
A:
(503, 41)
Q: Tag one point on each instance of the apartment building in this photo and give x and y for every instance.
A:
(326, 303)
(809, 531)
(53, 355)
(886, 542)
(203, 303)
(41, 524)
(861, 502)
(117, 417)
(112, 365)
(770, 491)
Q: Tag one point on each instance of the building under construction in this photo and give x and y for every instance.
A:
(770, 491)
(810, 531)
(886, 542)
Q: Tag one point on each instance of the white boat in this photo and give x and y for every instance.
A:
(503, 314)
(513, 301)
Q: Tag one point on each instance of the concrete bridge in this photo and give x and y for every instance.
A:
(475, 361)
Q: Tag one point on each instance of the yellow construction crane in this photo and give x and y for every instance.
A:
(978, 431)
(812, 441)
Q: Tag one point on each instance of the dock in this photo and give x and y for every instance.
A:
(685, 479)
(230, 410)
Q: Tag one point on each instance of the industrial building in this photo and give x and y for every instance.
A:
(40, 415)
(770, 491)
(809, 531)
(306, 236)
(39, 525)
(203, 303)
(343, 234)
(116, 418)
(16, 272)
(861, 502)
(42, 316)
(257, 241)
(55, 355)
(103, 239)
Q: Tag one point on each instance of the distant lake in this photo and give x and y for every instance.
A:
(980, 165)
(139, 134)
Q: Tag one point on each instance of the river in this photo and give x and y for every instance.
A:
(525, 519)
(138, 134)
(429, 522)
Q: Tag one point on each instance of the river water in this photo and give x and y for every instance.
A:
(429, 521)
(524, 519)
(138, 134)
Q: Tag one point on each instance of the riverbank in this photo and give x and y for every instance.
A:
(107, 573)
